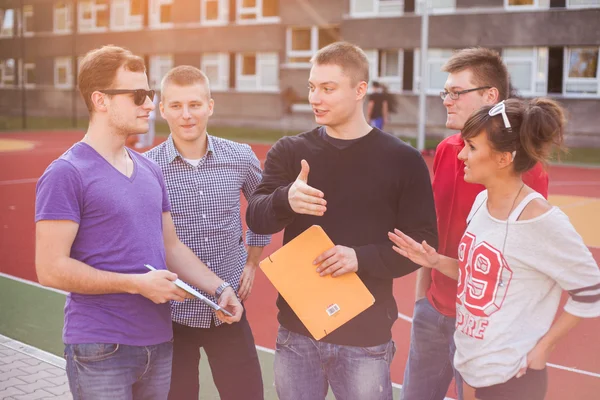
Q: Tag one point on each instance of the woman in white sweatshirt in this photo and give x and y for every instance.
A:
(516, 257)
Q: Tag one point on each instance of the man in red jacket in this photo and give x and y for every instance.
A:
(477, 77)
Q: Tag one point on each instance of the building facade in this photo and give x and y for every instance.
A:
(256, 52)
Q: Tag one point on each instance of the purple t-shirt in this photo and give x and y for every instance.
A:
(120, 229)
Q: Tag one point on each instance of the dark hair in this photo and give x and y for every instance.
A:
(350, 58)
(99, 68)
(486, 65)
(389, 97)
(536, 126)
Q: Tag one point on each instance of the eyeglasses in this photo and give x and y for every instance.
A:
(500, 109)
(456, 95)
(139, 95)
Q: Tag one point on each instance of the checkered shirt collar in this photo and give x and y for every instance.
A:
(173, 153)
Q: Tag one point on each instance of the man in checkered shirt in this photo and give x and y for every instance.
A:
(204, 176)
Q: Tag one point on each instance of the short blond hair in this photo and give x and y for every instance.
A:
(350, 58)
(185, 75)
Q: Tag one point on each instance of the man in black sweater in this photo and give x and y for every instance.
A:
(363, 184)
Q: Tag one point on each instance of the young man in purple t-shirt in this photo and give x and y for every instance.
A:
(102, 212)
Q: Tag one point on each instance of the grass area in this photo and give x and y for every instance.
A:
(36, 318)
(575, 155)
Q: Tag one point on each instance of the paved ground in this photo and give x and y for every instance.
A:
(27, 373)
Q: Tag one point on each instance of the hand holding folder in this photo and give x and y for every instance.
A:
(323, 304)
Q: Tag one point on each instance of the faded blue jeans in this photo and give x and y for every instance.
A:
(304, 369)
(429, 369)
(102, 371)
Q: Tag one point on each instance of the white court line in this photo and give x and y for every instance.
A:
(400, 316)
(574, 183)
(31, 283)
(18, 181)
(33, 352)
(580, 203)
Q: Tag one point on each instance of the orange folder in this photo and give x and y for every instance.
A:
(323, 304)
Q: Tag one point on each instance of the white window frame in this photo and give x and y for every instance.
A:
(67, 63)
(221, 61)
(160, 62)
(4, 74)
(68, 13)
(154, 14)
(23, 68)
(580, 6)
(4, 32)
(535, 68)
(314, 45)
(417, 71)
(223, 18)
(27, 12)
(433, 9)
(262, 59)
(379, 9)
(83, 25)
(537, 5)
(290, 53)
(566, 79)
(389, 81)
(130, 22)
(256, 10)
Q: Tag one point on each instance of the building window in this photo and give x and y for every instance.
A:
(126, 15)
(27, 75)
(28, 20)
(517, 5)
(257, 11)
(528, 69)
(385, 66)
(303, 42)
(93, 16)
(583, 3)
(160, 13)
(438, 6)
(7, 22)
(159, 66)
(214, 12)
(436, 78)
(581, 71)
(63, 73)
(257, 72)
(372, 8)
(62, 17)
(7, 72)
(216, 68)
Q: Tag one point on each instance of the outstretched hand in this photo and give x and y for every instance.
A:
(303, 198)
(419, 253)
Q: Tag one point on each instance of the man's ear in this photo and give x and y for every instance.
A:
(492, 96)
(99, 101)
(211, 107)
(162, 109)
(361, 90)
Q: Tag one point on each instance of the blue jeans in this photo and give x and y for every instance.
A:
(430, 369)
(304, 369)
(99, 371)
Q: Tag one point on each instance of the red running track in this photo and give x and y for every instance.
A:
(19, 171)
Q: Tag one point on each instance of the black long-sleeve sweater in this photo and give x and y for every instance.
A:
(373, 186)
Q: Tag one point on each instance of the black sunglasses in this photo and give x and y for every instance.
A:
(139, 95)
